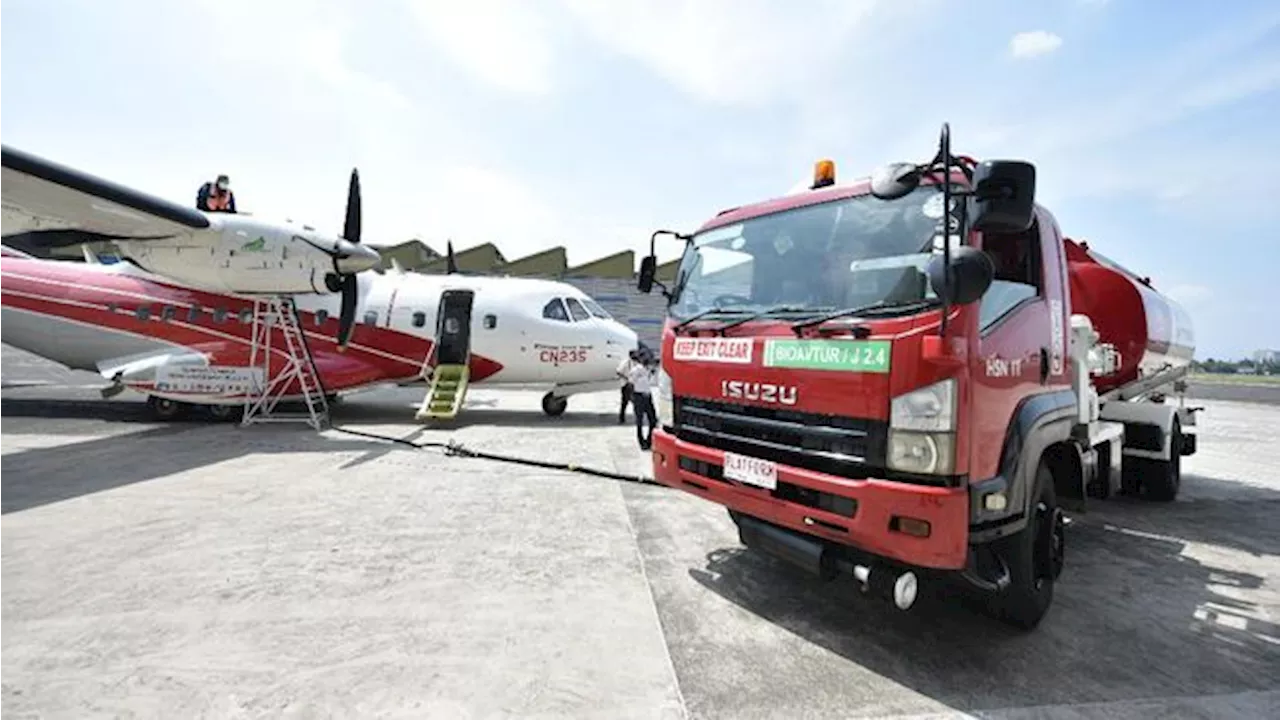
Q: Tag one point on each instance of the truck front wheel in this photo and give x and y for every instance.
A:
(1034, 557)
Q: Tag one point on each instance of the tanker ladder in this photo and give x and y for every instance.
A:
(279, 313)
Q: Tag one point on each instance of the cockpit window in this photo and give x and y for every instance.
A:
(594, 308)
(578, 312)
(554, 310)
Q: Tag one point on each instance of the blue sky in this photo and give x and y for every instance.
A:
(589, 124)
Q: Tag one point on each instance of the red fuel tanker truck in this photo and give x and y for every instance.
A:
(909, 378)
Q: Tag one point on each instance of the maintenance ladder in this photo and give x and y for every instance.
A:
(298, 364)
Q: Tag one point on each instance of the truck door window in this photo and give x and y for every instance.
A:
(578, 312)
(554, 310)
(1018, 276)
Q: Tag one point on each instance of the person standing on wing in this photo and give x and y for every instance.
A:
(641, 375)
(216, 196)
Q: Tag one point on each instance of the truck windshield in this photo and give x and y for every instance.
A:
(843, 253)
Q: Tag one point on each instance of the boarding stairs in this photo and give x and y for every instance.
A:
(278, 373)
(447, 389)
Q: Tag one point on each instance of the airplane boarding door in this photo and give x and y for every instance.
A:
(453, 327)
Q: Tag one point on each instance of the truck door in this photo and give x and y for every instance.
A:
(453, 327)
(1018, 355)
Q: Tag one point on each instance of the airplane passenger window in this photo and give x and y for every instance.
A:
(193, 313)
(575, 308)
(168, 312)
(112, 307)
(594, 308)
(321, 316)
(219, 315)
(419, 319)
(490, 322)
(143, 312)
(246, 316)
(371, 317)
(554, 310)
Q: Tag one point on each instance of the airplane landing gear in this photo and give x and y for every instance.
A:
(225, 413)
(553, 405)
(165, 409)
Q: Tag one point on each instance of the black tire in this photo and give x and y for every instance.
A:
(554, 406)
(1162, 479)
(1034, 557)
(165, 409)
(225, 413)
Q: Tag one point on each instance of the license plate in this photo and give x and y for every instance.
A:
(752, 471)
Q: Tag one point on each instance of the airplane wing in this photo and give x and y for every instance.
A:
(43, 198)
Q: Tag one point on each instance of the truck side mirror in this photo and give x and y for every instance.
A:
(1004, 196)
(971, 273)
(648, 269)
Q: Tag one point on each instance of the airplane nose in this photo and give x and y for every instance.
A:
(625, 336)
(355, 258)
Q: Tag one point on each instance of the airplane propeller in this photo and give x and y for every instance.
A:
(451, 266)
(345, 282)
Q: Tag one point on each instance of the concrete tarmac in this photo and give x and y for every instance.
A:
(205, 570)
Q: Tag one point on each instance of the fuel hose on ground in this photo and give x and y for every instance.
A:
(454, 449)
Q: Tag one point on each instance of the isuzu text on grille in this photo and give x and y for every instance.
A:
(763, 392)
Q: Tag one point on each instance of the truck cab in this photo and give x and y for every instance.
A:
(876, 380)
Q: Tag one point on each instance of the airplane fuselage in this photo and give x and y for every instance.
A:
(124, 322)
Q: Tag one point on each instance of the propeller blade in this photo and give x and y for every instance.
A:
(451, 265)
(351, 228)
(347, 318)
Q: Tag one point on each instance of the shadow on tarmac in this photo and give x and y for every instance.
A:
(1133, 617)
(42, 475)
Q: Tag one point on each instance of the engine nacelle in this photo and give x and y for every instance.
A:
(241, 255)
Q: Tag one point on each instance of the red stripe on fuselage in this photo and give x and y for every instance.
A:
(69, 290)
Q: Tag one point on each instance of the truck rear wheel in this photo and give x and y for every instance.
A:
(1162, 478)
(1157, 480)
(1034, 557)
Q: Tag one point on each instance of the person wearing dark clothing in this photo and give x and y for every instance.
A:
(641, 376)
(216, 196)
(624, 372)
(626, 400)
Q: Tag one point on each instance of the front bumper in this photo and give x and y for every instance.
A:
(877, 507)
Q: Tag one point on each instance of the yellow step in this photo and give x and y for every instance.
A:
(447, 392)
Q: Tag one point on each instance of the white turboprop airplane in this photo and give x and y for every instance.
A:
(201, 300)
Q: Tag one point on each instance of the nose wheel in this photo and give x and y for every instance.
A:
(554, 405)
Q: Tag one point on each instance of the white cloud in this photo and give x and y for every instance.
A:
(728, 51)
(1034, 43)
(506, 43)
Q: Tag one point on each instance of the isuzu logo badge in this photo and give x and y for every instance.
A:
(758, 391)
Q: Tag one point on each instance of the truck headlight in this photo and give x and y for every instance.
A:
(922, 425)
(665, 405)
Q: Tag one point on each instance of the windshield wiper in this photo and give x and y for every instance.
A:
(879, 305)
(765, 313)
(698, 316)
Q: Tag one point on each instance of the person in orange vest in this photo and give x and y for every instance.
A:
(216, 196)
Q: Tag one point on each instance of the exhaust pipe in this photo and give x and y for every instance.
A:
(811, 556)
(902, 588)
(808, 555)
